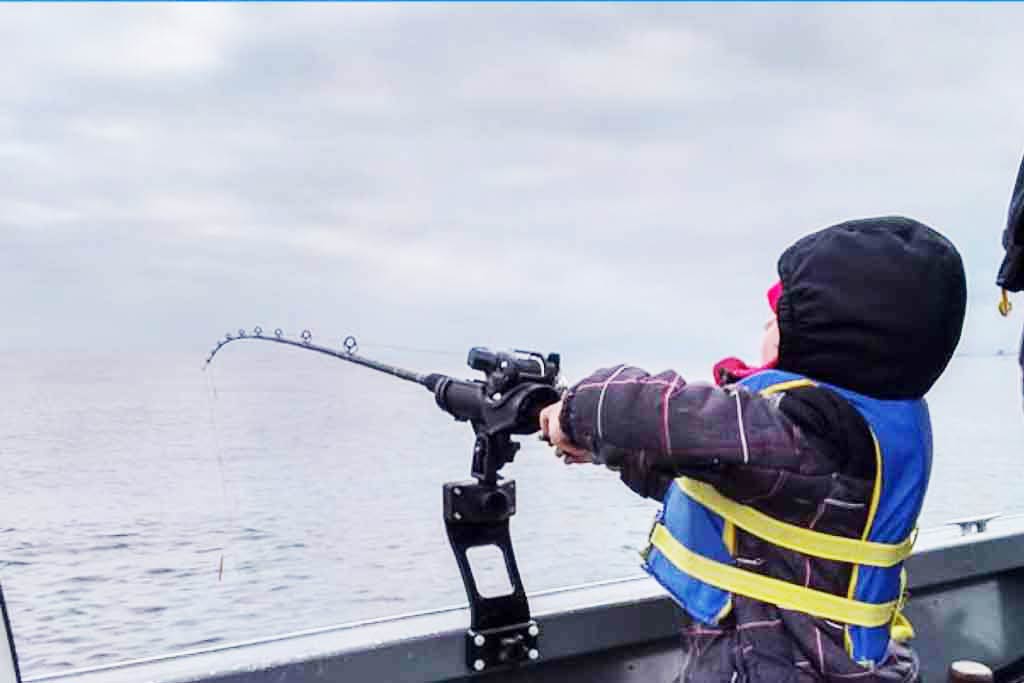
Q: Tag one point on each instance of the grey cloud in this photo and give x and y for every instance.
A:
(446, 175)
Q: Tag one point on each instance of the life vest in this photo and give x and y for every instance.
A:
(693, 539)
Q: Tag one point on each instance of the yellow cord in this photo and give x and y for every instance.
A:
(1004, 305)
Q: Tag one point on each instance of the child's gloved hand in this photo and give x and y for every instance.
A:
(551, 431)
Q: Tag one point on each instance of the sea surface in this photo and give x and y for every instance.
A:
(148, 507)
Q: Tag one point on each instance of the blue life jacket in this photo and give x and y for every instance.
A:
(902, 431)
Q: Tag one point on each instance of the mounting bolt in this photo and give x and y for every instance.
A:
(457, 491)
(496, 396)
(479, 640)
(533, 654)
(533, 630)
(457, 515)
(479, 665)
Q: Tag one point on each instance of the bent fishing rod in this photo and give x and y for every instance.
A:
(517, 385)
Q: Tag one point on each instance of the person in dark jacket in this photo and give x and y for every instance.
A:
(1011, 271)
(867, 315)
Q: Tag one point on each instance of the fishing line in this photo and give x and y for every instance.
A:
(218, 451)
(413, 349)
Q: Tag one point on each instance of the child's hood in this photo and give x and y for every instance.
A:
(874, 305)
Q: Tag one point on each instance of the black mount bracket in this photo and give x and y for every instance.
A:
(501, 630)
(477, 511)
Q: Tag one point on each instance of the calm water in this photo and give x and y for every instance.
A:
(126, 482)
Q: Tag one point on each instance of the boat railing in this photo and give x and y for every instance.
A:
(976, 524)
(965, 594)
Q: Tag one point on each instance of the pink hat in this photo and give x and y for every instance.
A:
(774, 294)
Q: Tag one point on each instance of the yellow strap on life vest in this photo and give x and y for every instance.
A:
(806, 541)
(901, 630)
(1004, 305)
(786, 386)
(773, 591)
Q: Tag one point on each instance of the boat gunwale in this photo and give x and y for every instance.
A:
(575, 621)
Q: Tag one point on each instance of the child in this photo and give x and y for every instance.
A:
(791, 491)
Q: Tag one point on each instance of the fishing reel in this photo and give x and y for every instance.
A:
(517, 386)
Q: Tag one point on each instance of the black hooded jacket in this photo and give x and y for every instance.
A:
(1011, 272)
(873, 305)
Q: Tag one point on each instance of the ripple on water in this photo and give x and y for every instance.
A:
(378, 600)
(204, 551)
(158, 571)
(14, 563)
(101, 657)
(88, 578)
(67, 640)
(154, 609)
(205, 642)
(50, 664)
(109, 546)
(252, 534)
(290, 546)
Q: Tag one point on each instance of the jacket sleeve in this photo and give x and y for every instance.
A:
(1011, 272)
(655, 428)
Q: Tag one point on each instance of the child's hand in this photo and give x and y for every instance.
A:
(551, 431)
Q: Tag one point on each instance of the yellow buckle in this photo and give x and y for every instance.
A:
(1004, 305)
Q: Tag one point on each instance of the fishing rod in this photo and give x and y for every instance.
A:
(517, 385)
(349, 353)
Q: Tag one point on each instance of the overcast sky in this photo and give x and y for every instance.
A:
(610, 181)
